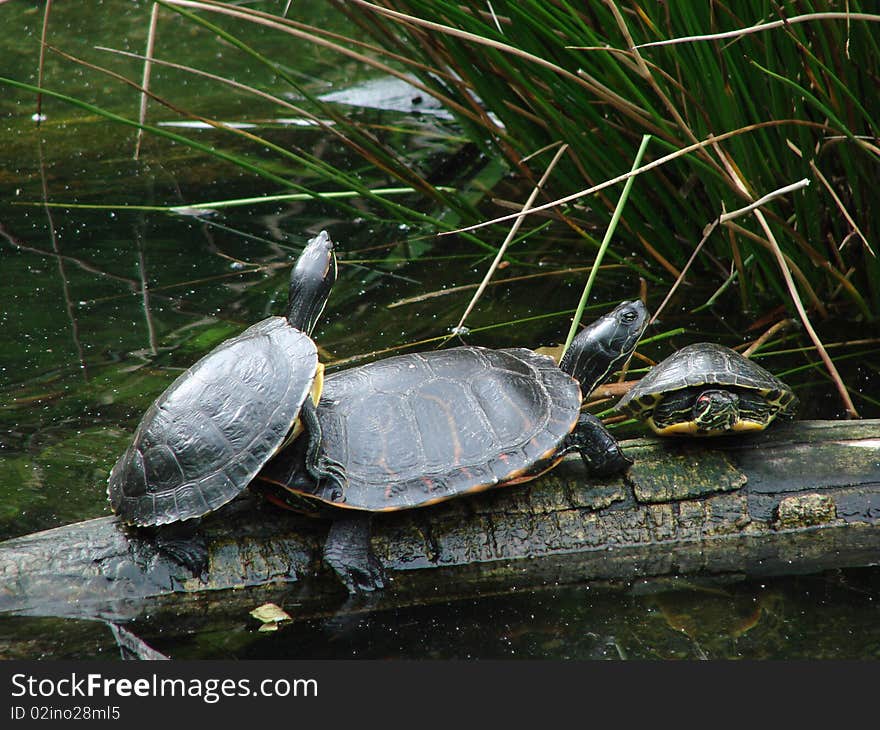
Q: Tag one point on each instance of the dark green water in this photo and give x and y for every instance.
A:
(101, 309)
(829, 616)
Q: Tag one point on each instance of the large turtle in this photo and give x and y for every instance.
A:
(205, 438)
(706, 389)
(416, 429)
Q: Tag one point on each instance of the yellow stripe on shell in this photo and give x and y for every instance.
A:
(315, 394)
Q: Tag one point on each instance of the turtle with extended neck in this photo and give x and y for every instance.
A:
(417, 429)
(204, 439)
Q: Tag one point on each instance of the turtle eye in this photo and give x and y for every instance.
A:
(629, 317)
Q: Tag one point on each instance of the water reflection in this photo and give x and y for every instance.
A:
(809, 617)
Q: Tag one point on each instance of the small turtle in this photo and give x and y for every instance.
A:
(417, 429)
(708, 390)
(205, 438)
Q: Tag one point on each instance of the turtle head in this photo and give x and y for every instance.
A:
(715, 410)
(607, 343)
(311, 280)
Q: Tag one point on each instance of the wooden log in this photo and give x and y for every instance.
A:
(799, 498)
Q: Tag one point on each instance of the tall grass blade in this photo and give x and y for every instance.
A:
(606, 241)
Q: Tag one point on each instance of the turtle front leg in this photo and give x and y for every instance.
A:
(321, 468)
(599, 450)
(347, 550)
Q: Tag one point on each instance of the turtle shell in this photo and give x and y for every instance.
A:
(707, 364)
(417, 429)
(205, 438)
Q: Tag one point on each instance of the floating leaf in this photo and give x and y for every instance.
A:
(271, 615)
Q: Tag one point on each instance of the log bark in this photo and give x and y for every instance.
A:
(799, 498)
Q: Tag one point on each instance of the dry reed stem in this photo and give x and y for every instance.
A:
(820, 348)
(710, 228)
(815, 302)
(793, 292)
(645, 72)
(842, 208)
(792, 288)
(280, 101)
(471, 37)
(38, 115)
(510, 235)
(145, 83)
(766, 335)
(659, 162)
(760, 27)
(509, 280)
(725, 217)
(707, 231)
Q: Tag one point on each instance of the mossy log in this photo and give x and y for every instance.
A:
(799, 498)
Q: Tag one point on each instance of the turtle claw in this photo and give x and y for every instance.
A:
(360, 579)
(331, 474)
(332, 469)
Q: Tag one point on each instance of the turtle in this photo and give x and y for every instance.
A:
(706, 389)
(207, 435)
(416, 429)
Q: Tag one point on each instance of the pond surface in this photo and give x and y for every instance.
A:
(830, 616)
(102, 308)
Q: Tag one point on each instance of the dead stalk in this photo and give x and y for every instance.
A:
(510, 236)
(148, 66)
